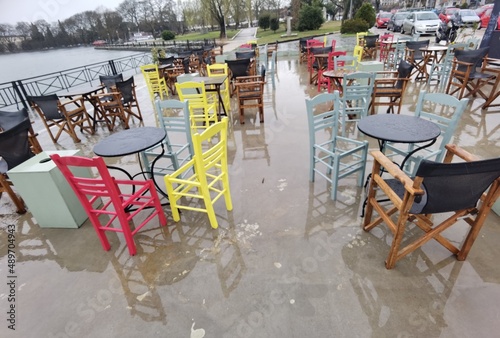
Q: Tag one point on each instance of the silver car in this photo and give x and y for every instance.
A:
(396, 21)
(421, 23)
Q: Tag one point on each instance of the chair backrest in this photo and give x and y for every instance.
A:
(472, 43)
(47, 106)
(415, 47)
(150, 72)
(455, 186)
(238, 67)
(193, 92)
(387, 37)
(328, 119)
(109, 81)
(9, 119)
(357, 91)
(14, 144)
(371, 41)
(333, 44)
(169, 62)
(346, 62)
(360, 38)
(474, 56)
(320, 50)
(314, 43)
(331, 58)
(245, 55)
(404, 72)
(173, 117)
(445, 111)
(218, 69)
(184, 54)
(358, 53)
(126, 88)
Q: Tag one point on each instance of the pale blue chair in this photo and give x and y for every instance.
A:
(173, 116)
(357, 89)
(442, 109)
(332, 156)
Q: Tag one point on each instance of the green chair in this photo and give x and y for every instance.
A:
(340, 156)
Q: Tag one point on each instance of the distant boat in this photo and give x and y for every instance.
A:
(99, 43)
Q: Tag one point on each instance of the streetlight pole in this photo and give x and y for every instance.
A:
(350, 10)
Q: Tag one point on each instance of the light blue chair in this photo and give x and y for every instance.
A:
(268, 67)
(444, 110)
(173, 116)
(332, 156)
(440, 71)
(357, 89)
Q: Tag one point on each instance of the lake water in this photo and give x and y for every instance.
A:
(24, 65)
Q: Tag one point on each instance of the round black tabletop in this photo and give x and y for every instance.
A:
(129, 141)
(399, 128)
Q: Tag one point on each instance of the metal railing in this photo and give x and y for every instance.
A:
(14, 93)
(170, 45)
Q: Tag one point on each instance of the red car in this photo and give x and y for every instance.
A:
(485, 19)
(447, 13)
(382, 19)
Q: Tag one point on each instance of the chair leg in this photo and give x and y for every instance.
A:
(5, 186)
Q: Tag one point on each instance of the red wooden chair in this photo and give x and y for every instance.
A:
(103, 196)
(324, 81)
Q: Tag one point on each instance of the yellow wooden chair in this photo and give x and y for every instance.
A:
(155, 82)
(202, 111)
(358, 53)
(360, 38)
(222, 69)
(209, 179)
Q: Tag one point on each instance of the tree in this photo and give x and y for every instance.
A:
(218, 10)
(274, 24)
(264, 21)
(367, 13)
(310, 18)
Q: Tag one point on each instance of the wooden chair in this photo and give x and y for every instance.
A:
(250, 94)
(64, 116)
(358, 53)
(106, 195)
(111, 109)
(323, 81)
(442, 109)
(237, 68)
(357, 91)
(109, 81)
(465, 79)
(416, 58)
(177, 147)
(332, 156)
(10, 119)
(209, 180)
(370, 47)
(440, 71)
(155, 82)
(360, 38)
(467, 189)
(129, 98)
(202, 111)
(14, 150)
(390, 89)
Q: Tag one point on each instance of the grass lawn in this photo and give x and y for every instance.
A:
(210, 35)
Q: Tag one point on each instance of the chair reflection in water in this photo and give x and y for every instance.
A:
(341, 156)
(208, 174)
(467, 190)
(117, 204)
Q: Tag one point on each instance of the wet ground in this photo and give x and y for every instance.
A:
(286, 262)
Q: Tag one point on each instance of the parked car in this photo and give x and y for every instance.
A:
(396, 21)
(425, 22)
(485, 19)
(382, 19)
(481, 10)
(446, 14)
(465, 17)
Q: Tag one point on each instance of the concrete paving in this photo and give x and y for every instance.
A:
(286, 262)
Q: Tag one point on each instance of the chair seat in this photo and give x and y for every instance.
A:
(383, 92)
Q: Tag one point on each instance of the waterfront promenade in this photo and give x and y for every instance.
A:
(286, 262)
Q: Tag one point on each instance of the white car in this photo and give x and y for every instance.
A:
(421, 23)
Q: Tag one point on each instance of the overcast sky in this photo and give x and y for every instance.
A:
(13, 11)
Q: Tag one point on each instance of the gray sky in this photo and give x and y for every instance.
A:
(13, 11)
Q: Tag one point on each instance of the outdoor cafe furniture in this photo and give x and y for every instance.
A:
(330, 155)
(52, 203)
(203, 112)
(370, 46)
(205, 177)
(10, 119)
(109, 81)
(155, 82)
(222, 92)
(326, 80)
(250, 94)
(14, 150)
(317, 60)
(492, 66)
(390, 87)
(106, 195)
(177, 146)
(87, 94)
(465, 78)
(440, 69)
(430, 55)
(467, 189)
(62, 116)
(237, 68)
(441, 109)
(415, 56)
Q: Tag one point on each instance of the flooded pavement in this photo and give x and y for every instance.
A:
(286, 262)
